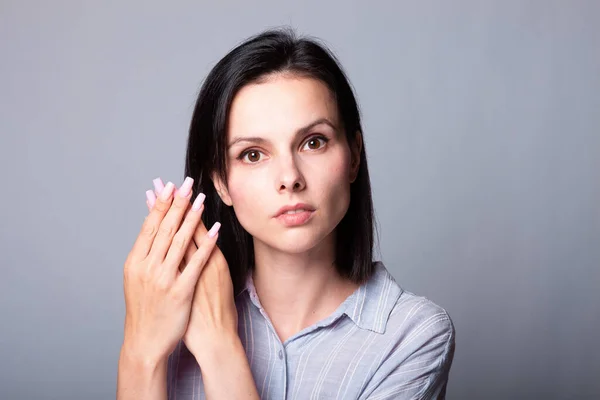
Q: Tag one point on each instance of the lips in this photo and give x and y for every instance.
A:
(294, 209)
(295, 219)
(299, 210)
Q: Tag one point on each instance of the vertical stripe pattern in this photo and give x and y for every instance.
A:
(381, 343)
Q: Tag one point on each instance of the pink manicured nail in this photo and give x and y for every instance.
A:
(151, 197)
(198, 202)
(213, 231)
(186, 187)
(158, 185)
(167, 191)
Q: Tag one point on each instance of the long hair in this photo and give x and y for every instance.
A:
(270, 52)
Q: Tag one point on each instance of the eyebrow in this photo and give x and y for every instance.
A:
(299, 132)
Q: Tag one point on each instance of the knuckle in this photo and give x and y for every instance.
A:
(166, 230)
(130, 271)
(179, 295)
(162, 284)
(149, 229)
(161, 206)
(146, 272)
(128, 260)
(207, 247)
(200, 257)
(179, 242)
(180, 204)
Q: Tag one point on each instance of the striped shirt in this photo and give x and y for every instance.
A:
(382, 342)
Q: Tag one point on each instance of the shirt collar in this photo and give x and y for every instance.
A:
(372, 303)
(369, 307)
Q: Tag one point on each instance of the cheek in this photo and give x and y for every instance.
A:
(339, 168)
(336, 184)
(245, 191)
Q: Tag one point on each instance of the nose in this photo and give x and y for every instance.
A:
(289, 177)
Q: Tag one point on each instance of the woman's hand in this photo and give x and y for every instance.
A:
(213, 318)
(211, 334)
(158, 296)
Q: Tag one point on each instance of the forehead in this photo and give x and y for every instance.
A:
(280, 105)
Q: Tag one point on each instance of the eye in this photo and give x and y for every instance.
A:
(316, 142)
(252, 156)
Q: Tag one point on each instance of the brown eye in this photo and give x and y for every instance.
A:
(315, 143)
(252, 156)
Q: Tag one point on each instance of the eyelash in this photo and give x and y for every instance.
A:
(246, 152)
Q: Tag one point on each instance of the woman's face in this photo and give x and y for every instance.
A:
(286, 147)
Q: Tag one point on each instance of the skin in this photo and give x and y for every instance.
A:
(295, 275)
(159, 296)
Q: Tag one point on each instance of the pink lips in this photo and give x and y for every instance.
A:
(295, 219)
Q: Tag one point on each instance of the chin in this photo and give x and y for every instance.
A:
(293, 241)
(296, 246)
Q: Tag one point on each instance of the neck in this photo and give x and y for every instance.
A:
(298, 290)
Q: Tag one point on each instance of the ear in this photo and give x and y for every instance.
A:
(355, 150)
(221, 190)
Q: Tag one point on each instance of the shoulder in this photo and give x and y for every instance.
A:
(420, 338)
(417, 315)
(417, 324)
(405, 312)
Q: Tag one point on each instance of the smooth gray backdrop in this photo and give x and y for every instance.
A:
(481, 121)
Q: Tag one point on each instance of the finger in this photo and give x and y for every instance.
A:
(191, 273)
(158, 188)
(150, 227)
(200, 232)
(158, 185)
(191, 249)
(182, 239)
(150, 199)
(189, 253)
(172, 220)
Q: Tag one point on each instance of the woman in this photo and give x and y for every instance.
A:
(285, 300)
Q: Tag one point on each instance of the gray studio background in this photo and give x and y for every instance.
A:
(481, 123)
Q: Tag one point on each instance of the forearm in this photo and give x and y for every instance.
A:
(226, 373)
(141, 379)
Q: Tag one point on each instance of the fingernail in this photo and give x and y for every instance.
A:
(213, 231)
(198, 202)
(158, 185)
(151, 197)
(166, 193)
(186, 187)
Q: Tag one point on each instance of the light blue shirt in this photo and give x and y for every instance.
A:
(382, 342)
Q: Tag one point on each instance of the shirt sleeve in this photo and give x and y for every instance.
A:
(419, 364)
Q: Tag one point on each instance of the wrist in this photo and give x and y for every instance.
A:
(220, 351)
(141, 360)
(140, 377)
(226, 372)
